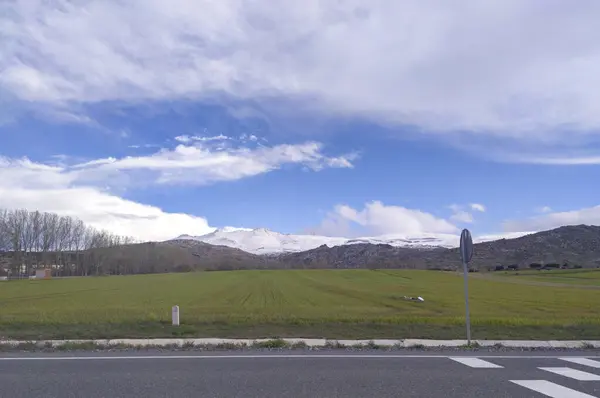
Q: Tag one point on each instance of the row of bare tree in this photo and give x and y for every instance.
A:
(32, 239)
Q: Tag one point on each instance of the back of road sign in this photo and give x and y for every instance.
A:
(466, 246)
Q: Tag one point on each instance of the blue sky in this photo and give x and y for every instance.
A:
(302, 120)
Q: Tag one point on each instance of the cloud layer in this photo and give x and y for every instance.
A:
(203, 164)
(454, 71)
(441, 67)
(378, 219)
(79, 190)
(589, 216)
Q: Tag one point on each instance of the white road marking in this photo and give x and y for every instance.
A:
(88, 358)
(550, 389)
(276, 356)
(573, 374)
(234, 356)
(582, 361)
(475, 362)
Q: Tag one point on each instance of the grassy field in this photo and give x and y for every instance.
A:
(577, 277)
(303, 303)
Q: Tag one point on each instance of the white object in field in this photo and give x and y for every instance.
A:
(3, 278)
(414, 298)
(175, 315)
(33, 277)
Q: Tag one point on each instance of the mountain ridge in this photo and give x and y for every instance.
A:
(572, 245)
(576, 246)
(265, 241)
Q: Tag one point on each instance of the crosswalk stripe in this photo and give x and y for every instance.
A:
(582, 361)
(551, 389)
(475, 362)
(573, 374)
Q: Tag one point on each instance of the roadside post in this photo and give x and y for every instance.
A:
(175, 315)
(466, 253)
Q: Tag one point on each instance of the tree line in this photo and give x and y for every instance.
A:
(33, 239)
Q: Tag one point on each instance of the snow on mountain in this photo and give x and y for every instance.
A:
(421, 241)
(264, 241)
(508, 235)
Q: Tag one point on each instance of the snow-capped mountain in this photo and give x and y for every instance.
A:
(421, 241)
(264, 241)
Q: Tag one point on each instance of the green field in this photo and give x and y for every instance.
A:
(302, 303)
(577, 277)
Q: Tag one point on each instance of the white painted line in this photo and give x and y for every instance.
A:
(573, 374)
(168, 357)
(550, 389)
(475, 362)
(407, 343)
(582, 361)
(284, 356)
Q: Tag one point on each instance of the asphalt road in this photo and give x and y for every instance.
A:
(293, 374)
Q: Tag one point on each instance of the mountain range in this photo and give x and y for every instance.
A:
(264, 241)
(574, 245)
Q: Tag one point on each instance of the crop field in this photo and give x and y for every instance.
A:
(576, 277)
(299, 303)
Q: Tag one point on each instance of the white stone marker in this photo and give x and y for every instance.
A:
(175, 315)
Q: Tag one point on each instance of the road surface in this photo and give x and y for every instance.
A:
(301, 374)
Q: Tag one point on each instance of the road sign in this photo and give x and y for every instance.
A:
(466, 254)
(466, 246)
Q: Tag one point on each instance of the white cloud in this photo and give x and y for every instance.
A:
(462, 216)
(200, 164)
(561, 160)
(543, 209)
(425, 62)
(24, 184)
(377, 219)
(477, 207)
(187, 138)
(73, 190)
(138, 146)
(590, 216)
(577, 157)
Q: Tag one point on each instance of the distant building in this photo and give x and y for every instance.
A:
(43, 273)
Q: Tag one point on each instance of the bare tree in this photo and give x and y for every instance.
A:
(32, 239)
(76, 245)
(16, 223)
(4, 234)
(64, 243)
(48, 236)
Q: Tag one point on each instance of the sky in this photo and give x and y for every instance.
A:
(154, 119)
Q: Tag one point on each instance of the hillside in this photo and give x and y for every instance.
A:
(141, 258)
(571, 244)
(575, 244)
(182, 255)
(361, 255)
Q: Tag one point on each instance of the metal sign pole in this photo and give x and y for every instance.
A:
(466, 253)
(465, 272)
